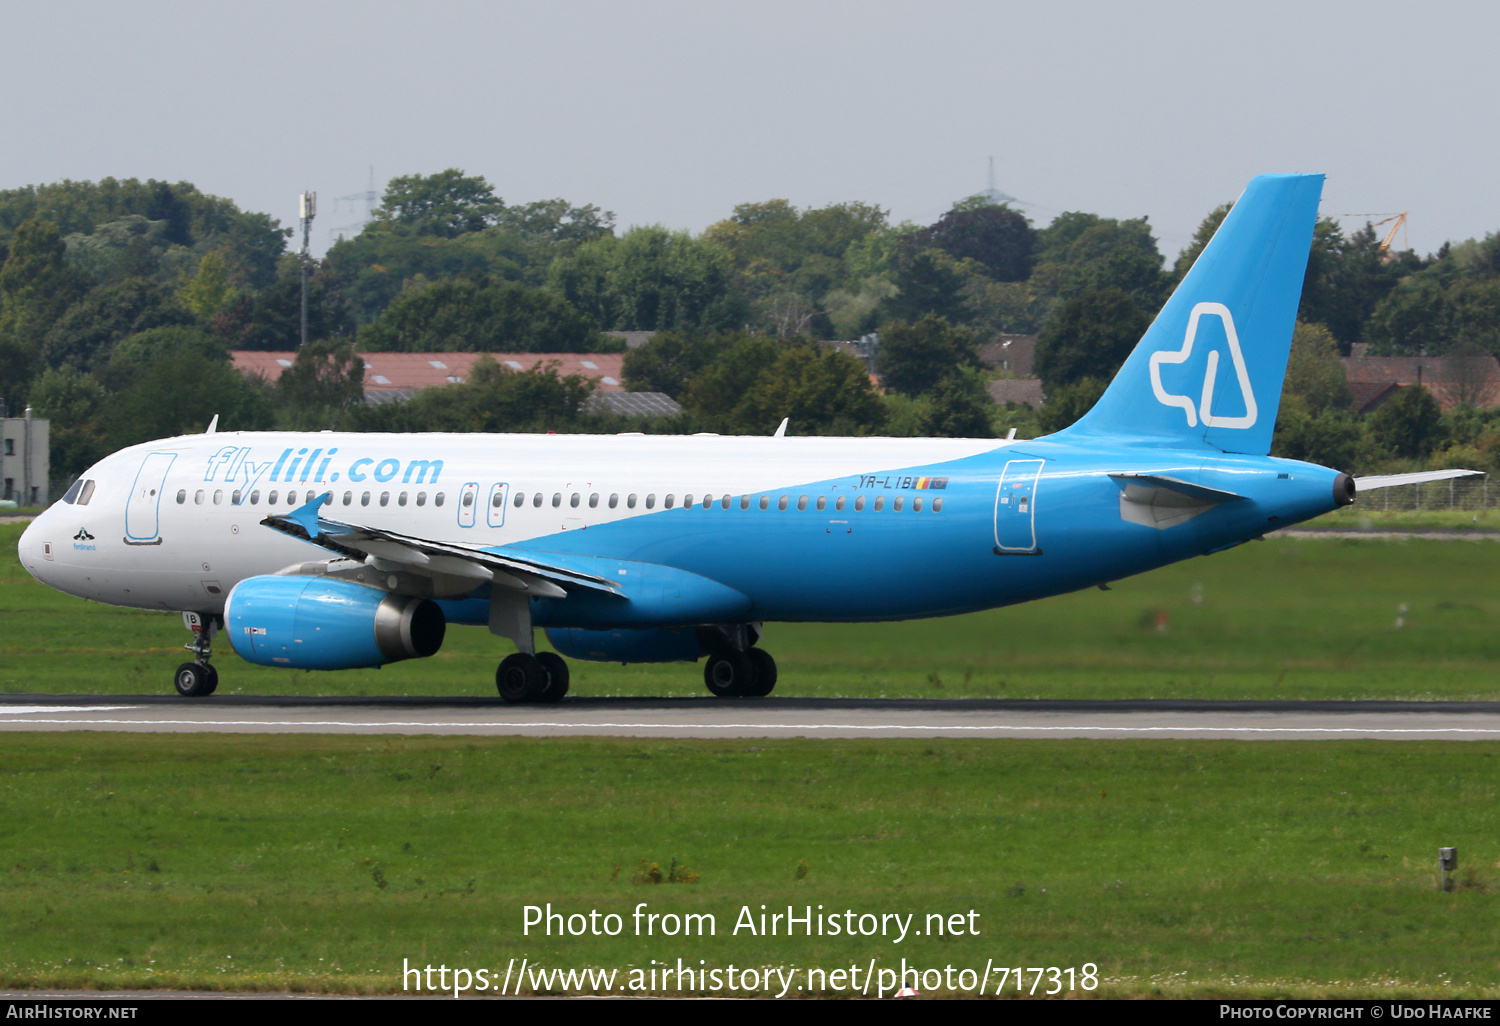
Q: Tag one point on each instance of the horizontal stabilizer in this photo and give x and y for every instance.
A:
(1366, 484)
(1159, 501)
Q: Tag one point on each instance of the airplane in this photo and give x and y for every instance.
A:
(335, 550)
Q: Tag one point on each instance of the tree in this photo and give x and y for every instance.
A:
(493, 399)
(1080, 252)
(1069, 402)
(325, 380)
(1410, 424)
(447, 204)
(462, 315)
(36, 285)
(930, 283)
(995, 236)
(960, 407)
(1328, 436)
(819, 389)
(914, 358)
(671, 359)
(1314, 373)
(649, 279)
(207, 292)
(1088, 335)
(88, 332)
(1346, 279)
(1201, 237)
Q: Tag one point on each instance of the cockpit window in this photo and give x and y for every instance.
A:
(87, 493)
(72, 493)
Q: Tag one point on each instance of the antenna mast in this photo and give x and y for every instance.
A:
(307, 209)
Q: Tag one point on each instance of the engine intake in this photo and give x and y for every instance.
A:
(312, 623)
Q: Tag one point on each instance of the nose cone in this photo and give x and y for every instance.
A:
(30, 548)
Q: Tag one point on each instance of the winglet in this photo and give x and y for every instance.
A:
(781, 431)
(213, 425)
(305, 516)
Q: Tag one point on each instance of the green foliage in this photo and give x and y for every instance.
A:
(960, 407)
(758, 381)
(785, 239)
(207, 292)
(1327, 435)
(649, 279)
(1067, 403)
(87, 333)
(932, 283)
(915, 358)
(671, 359)
(1205, 232)
(999, 239)
(374, 267)
(271, 320)
(1084, 252)
(447, 204)
(494, 398)
(1314, 374)
(149, 228)
(1346, 280)
(1410, 424)
(323, 383)
(1452, 305)
(464, 316)
(1088, 335)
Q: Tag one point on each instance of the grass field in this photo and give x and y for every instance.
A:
(1187, 869)
(1276, 619)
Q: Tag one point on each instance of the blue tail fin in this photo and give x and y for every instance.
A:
(1208, 372)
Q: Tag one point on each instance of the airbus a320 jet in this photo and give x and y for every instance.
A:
(328, 551)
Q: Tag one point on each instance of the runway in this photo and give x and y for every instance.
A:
(762, 718)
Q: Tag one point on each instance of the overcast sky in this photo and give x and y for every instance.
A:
(675, 112)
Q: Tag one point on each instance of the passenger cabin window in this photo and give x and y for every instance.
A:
(574, 499)
(401, 499)
(614, 499)
(536, 500)
(496, 501)
(437, 500)
(198, 497)
(838, 504)
(859, 504)
(916, 504)
(422, 499)
(181, 496)
(744, 502)
(687, 501)
(348, 498)
(937, 505)
(822, 502)
(593, 500)
(670, 500)
(218, 496)
(255, 498)
(801, 503)
(234, 499)
(556, 499)
(385, 498)
(364, 499)
(765, 502)
(651, 501)
(270, 499)
(630, 502)
(897, 504)
(519, 500)
(879, 503)
(781, 502)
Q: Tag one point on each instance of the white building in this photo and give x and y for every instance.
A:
(23, 459)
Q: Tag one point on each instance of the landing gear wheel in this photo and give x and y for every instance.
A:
(520, 678)
(727, 674)
(196, 680)
(557, 677)
(764, 678)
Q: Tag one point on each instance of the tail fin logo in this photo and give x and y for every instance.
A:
(1203, 410)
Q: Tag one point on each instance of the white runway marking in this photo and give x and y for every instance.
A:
(18, 710)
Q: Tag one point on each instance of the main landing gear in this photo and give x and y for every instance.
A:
(523, 677)
(747, 674)
(198, 679)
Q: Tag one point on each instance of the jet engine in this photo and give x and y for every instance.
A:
(313, 623)
(661, 645)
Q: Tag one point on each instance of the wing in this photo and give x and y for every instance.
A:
(453, 567)
(1365, 484)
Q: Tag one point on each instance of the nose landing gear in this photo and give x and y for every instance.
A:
(198, 679)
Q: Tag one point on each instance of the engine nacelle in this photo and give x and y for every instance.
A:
(661, 645)
(313, 623)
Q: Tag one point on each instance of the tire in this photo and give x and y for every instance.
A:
(727, 674)
(520, 678)
(765, 673)
(213, 680)
(195, 680)
(556, 668)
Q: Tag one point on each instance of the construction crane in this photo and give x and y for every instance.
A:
(1399, 225)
